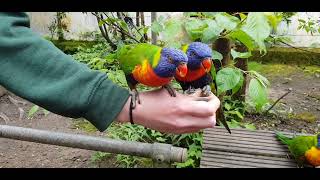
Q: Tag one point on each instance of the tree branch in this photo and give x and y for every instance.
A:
(289, 91)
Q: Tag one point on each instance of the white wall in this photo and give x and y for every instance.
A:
(81, 23)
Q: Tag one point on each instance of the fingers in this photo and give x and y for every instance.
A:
(201, 106)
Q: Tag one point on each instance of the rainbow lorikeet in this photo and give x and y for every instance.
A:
(199, 73)
(305, 149)
(151, 66)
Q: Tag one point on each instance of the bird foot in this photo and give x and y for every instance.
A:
(189, 91)
(170, 89)
(206, 91)
(135, 98)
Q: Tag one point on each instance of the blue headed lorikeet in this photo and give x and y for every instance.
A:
(151, 66)
(305, 149)
(199, 73)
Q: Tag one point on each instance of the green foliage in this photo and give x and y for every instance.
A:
(257, 94)
(227, 79)
(34, 109)
(310, 25)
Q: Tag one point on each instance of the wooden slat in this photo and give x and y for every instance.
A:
(239, 140)
(251, 160)
(244, 148)
(209, 152)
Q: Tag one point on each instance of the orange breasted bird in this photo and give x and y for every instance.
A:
(305, 149)
(199, 73)
(151, 65)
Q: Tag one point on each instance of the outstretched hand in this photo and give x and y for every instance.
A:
(177, 115)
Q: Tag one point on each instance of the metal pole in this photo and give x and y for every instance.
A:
(157, 151)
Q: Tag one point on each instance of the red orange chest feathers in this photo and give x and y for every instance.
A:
(145, 75)
(192, 75)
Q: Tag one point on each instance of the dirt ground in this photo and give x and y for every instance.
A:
(305, 97)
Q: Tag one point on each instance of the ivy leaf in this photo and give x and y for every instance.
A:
(257, 94)
(227, 78)
(258, 28)
(236, 54)
(243, 37)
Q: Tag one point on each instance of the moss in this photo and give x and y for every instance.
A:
(283, 55)
(272, 70)
(84, 125)
(71, 46)
(304, 116)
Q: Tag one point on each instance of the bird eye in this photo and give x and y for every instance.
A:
(192, 53)
(170, 59)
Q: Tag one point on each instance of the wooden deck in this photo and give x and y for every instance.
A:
(244, 149)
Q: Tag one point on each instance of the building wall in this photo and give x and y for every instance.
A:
(81, 23)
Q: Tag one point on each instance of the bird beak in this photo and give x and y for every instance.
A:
(182, 69)
(206, 63)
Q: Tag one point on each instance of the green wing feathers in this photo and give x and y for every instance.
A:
(284, 139)
(131, 55)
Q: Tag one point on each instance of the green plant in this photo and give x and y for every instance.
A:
(34, 109)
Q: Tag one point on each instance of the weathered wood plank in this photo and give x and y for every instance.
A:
(245, 148)
(239, 140)
(254, 160)
(209, 152)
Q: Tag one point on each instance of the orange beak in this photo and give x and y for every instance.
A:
(182, 70)
(206, 63)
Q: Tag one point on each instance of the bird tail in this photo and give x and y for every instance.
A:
(284, 139)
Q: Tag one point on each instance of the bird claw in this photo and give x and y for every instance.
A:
(135, 98)
(170, 89)
(206, 91)
(189, 91)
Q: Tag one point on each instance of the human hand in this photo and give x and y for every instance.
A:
(177, 115)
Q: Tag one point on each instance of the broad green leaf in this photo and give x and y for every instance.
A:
(236, 54)
(213, 72)
(263, 80)
(226, 21)
(195, 28)
(233, 124)
(244, 38)
(124, 25)
(216, 55)
(33, 110)
(273, 19)
(174, 32)
(227, 78)
(240, 84)
(257, 94)
(212, 32)
(258, 28)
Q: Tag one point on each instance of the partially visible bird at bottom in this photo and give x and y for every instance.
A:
(305, 149)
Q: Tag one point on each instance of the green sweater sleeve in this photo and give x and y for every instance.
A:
(34, 69)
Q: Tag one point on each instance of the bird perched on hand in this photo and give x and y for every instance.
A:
(199, 73)
(151, 66)
(305, 149)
